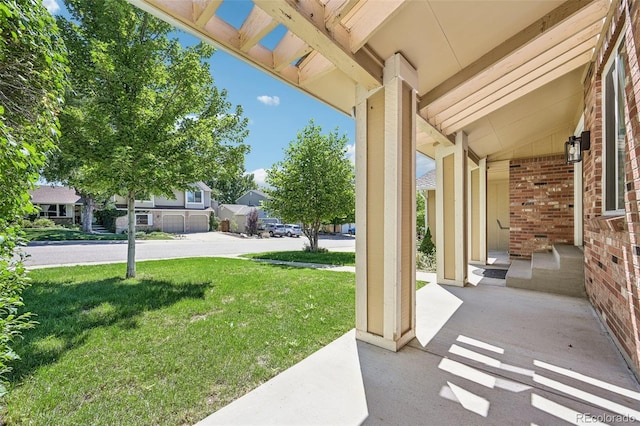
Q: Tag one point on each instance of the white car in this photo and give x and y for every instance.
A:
(275, 229)
(292, 230)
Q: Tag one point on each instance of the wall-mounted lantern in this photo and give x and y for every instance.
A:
(575, 145)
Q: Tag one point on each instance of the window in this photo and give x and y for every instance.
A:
(194, 197)
(614, 132)
(144, 219)
(53, 210)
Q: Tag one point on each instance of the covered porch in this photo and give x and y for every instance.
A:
(491, 91)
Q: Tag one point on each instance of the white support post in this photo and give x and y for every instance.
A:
(483, 210)
(385, 208)
(451, 206)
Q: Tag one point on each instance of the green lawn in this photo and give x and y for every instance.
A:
(64, 234)
(330, 258)
(172, 346)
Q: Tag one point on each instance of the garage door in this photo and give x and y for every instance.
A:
(198, 223)
(173, 223)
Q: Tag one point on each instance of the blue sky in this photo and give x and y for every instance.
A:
(276, 111)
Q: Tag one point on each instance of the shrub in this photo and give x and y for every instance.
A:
(107, 217)
(307, 248)
(252, 222)
(426, 262)
(43, 223)
(426, 245)
(26, 223)
(214, 223)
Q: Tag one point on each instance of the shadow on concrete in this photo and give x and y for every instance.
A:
(483, 355)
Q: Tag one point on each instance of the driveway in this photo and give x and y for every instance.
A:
(192, 245)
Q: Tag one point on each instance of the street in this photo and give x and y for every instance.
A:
(193, 245)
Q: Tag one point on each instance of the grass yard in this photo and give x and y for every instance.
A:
(183, 339)
(330, 258)
(64, 234)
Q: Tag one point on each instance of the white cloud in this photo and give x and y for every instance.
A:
(269, 100)
(260, 176)
(351, 153)
(51, 5)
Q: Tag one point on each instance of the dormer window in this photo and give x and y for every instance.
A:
(194, 197)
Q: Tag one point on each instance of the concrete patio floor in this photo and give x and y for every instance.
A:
(484, 355)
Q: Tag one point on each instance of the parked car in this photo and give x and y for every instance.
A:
(275, 229)
(292, 230)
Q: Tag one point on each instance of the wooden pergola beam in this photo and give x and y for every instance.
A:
(257, 25)
(336, 10)
(290, 48)
(370, 16)
(206, 13)
(310, 27)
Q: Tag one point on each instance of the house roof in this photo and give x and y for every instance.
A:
(203, 186)
(426, 182)
(237, 209)
(508, 74)
(48, 194)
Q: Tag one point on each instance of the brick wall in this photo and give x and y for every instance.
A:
(612, 243)
(541, 204)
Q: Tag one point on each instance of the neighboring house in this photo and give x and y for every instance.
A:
(236, 214)
(253, 197)
(187, 211)
(58, 203)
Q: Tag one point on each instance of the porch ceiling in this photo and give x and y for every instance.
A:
(508, 73)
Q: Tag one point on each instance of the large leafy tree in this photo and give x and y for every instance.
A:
(147, 116)
(71, 164)
(228, 187)
(32, 78)
(314, 183)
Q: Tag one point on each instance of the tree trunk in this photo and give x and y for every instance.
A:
(131, 237)
(313, 237)
(87, 212)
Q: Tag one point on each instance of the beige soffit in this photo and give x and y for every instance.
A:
(476, 60)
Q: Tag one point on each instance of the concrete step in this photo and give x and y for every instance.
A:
(561, 272)
(519, 274)
(544, 260)
(99, 229)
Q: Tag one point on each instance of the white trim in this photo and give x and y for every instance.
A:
(483, 210)
(361, 209)
(149, 219)
(578, 195)
(613, 58)
(187, 203)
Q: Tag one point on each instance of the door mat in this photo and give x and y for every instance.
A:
(499, 274)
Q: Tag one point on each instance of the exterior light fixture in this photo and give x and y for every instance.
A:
(575, 145)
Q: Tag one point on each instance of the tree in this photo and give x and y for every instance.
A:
(314, 183)
(252, 221)
(148, 116)
(68, 165)
(32, 79)
(420, 211)
(227, 188)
